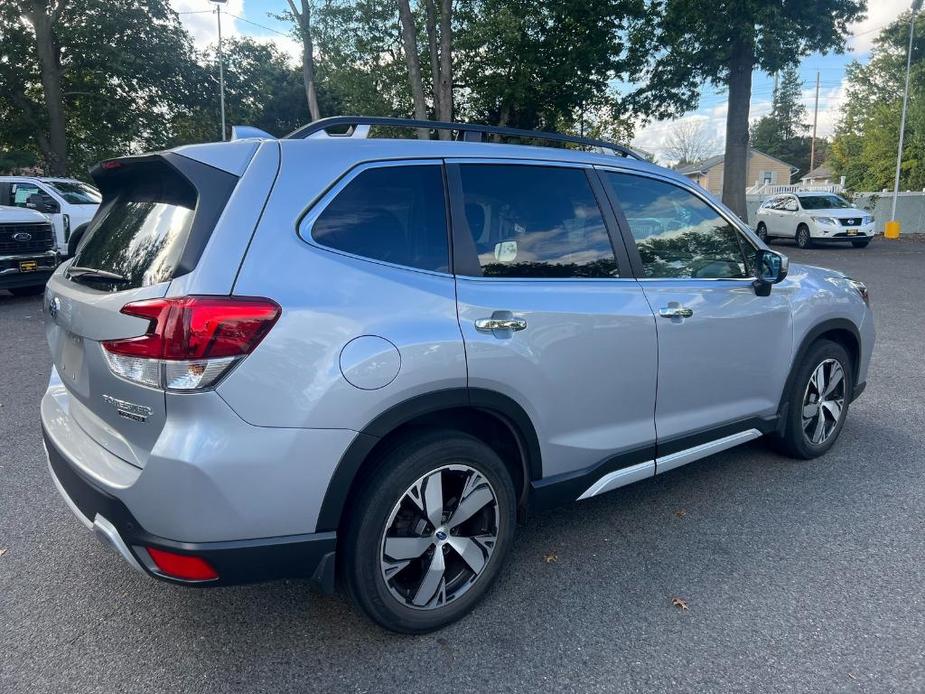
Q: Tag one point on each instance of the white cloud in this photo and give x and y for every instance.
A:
(198, 17)
(879, 14)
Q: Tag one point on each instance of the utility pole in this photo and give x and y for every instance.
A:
(221, 60)
(812, 147)
(892, 227)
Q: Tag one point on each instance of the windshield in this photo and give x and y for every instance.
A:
(823, 202)
(77, 193)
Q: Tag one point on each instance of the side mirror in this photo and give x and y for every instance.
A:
(42, 203)
(770, 268)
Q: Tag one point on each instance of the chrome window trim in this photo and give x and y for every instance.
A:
(514, 161)
(737, 224)
(306, 222)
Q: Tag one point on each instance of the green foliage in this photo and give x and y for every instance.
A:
(867, 135)
(696, 39)
(782, 133)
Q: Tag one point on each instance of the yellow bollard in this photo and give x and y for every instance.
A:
(891, 230)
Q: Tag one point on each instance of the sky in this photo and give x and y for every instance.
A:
(252, 18)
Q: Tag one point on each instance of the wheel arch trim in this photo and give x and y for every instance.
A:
(502, 407)
(813, 334)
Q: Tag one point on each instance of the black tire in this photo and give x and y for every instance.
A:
(803, 239)
(796, 441)
(32, 290)
(861, 244)
(385, 489)
(762, 232)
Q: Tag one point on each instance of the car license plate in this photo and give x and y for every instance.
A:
(28, 265)
(852, 232)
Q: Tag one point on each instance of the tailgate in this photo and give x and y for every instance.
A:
(156, 216)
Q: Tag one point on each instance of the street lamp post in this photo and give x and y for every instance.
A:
(221, 67)
(893, 226)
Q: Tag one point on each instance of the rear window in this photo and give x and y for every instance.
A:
(153, 224)
(395, 214)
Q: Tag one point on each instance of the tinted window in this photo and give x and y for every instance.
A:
(392, 213)
(142, 231)
(676, 232)
(535, 221)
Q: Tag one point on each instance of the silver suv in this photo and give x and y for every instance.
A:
(339, 357)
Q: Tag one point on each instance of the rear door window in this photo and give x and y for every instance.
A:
(394, 214)
(535, 221)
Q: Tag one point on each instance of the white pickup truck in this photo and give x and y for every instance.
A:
(67, 203)
(27, 251)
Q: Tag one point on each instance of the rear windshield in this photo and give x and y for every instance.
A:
(140, 234)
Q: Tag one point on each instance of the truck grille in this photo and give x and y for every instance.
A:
(25, 238)
(850, 221)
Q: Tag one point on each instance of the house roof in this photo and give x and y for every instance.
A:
(708, 164)
(824, 170)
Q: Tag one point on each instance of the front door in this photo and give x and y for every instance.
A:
(551, 317)
(723, 351)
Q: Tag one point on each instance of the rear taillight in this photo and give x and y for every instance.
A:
(191, 341)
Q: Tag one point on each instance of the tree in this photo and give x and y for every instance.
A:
(545, 65)
(866, 136)
(782, 133)
(689, 142)
(81, 80)
(303, 21)
(440, 45)
(410, 43)
(697, 42)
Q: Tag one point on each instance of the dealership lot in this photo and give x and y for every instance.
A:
(796, 576)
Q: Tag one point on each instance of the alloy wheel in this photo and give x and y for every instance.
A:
(439, 537)
(823, 401)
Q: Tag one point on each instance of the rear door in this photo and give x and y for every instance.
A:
(723, 350)
(551, 316)
(157, 213)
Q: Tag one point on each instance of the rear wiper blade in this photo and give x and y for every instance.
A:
(95, 274)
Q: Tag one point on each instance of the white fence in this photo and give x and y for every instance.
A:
(774, 189)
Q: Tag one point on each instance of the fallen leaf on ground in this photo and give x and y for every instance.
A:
(680, 603)
(681, 513)
(551, 558)
(2, 551)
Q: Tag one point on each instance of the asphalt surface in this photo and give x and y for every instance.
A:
(797, 576)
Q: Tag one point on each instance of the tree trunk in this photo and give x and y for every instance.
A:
(735, 163)
(446, 60)
(50, 65)
(304, 20)
(431, 22)
(410, 43)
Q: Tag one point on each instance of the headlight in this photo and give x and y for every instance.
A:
(867, 220)
(861, 289)
(827, 221)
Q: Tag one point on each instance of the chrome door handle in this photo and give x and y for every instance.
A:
(676, 312)
(487, 325)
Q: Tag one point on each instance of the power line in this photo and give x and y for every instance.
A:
(247, 21)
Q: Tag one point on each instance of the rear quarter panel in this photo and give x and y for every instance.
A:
(294, 378)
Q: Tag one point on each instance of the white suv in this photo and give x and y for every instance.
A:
(67, 203)
(811, 217)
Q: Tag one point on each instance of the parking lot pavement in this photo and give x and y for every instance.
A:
(797, 576)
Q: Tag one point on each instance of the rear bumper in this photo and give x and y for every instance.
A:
(293, 556)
